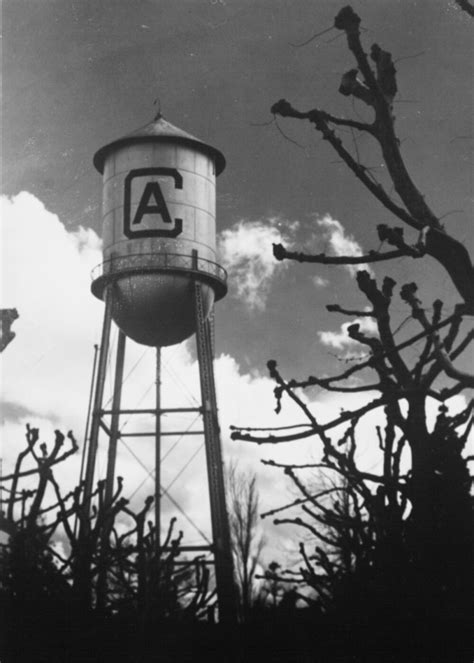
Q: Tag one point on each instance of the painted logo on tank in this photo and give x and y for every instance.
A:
(146, 213)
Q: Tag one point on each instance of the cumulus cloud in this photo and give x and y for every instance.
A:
(46, 277)
(247, 254)
(340, 340)
(46, 368)
(341, 242)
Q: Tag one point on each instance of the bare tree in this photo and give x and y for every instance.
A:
(402, 534)
(247, 540)
(45, 550)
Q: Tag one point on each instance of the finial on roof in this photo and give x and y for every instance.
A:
(158, 114)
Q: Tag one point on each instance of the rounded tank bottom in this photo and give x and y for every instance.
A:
(157, 309)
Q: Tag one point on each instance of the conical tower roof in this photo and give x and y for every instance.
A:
(159, 131)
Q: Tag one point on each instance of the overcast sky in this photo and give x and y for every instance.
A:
(76, 75)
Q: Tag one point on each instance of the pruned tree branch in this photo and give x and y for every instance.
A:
(281, 253)
(408, 293)
(284, 109)
(378, 89)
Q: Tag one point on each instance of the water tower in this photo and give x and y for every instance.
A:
(159, 280)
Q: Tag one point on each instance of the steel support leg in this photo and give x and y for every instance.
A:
(82, 579)
(86, 433)
(115, 420)
(98, 399)
(215, 471)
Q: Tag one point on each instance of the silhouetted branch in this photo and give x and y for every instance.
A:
(408, 293)
(281, 253)
(378, 89)
(317, 117)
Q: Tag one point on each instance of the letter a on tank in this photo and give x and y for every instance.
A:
(152, 191)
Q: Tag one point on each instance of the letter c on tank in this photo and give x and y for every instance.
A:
(151, 202)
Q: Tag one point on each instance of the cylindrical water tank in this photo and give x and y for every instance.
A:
(159, 231)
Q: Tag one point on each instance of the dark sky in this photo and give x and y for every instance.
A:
(80, 73)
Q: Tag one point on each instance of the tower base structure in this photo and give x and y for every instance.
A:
(108, 421)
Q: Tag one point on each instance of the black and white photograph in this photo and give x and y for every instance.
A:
(236, 331)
